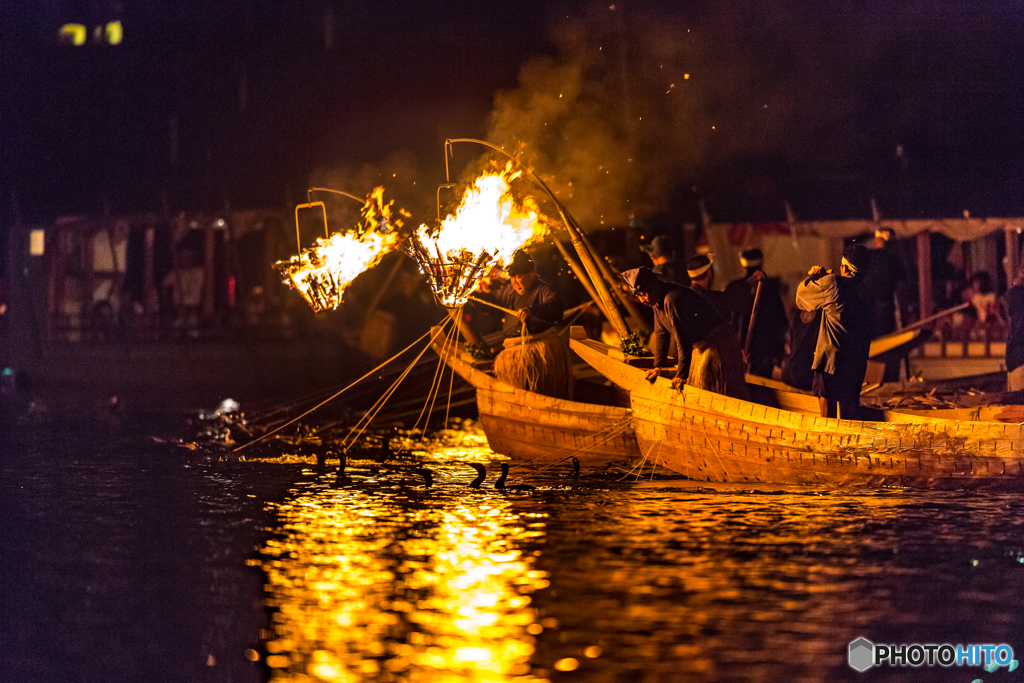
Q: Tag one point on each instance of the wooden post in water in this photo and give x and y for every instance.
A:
(208, 268)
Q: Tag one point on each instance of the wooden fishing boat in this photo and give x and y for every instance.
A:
(711, 437)
(527, 426)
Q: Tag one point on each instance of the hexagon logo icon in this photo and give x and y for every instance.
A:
(862, 654)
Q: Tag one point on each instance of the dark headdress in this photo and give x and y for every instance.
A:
(521, 264)
(640, 279)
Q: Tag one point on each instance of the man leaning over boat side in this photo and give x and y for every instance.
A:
(844, 337)
(533, 356)
(709, 355)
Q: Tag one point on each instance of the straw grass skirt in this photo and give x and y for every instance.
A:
(716, 364)
(539, 363)
(1015, 379)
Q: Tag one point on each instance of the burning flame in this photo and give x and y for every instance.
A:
(486, 229)
(323, 272)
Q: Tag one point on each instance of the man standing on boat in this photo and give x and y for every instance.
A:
(709, 356)
(663, 261)
(883, 281)
(1014, 302)
(534, 357)
(885, 274)
(844, 338)
(701, 270)
(768, 342)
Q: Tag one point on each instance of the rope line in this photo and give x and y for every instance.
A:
(711, 443)
(597, 442)
(384, 398)
(642, 461)
(433, 382)
(438, 378)
(325, 402)
(621, 425)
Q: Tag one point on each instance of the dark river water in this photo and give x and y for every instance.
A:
(127, 559)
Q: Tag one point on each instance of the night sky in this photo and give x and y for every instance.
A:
(644, 107)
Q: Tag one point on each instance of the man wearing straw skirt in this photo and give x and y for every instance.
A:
(709, 354)
(533, 357)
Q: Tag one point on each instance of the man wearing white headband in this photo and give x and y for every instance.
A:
(702, 280)
(768, 341)
(844, 337)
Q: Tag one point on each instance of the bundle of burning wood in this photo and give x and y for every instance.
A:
(322, 272)
(485, 230)
(452, 277)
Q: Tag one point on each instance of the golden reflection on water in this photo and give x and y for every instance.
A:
(400, 583)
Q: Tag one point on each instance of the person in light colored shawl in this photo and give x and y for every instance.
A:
(844, 338)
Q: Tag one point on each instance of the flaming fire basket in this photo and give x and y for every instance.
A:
(322, 273)
(484, 231)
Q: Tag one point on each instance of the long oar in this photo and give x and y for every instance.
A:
(565, 314)
(750, 326)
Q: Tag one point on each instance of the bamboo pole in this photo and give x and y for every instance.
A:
(581, 276)
(565, 315)
(615, 280)
(932, 318)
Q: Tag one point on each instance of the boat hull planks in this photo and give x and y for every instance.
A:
(711, 437)
(530, 427)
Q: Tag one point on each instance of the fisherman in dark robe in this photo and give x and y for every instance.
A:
(709, 357)
(885, 273)
(844, 338)
(534, 357)
(1014, 302)
(768, 342)
(803, 339)
(663, 261)
(702, 280)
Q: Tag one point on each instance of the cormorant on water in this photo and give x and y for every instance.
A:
(481, 472)
(342, 479)
(500, 484)
(428, 477)
(575, 467)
